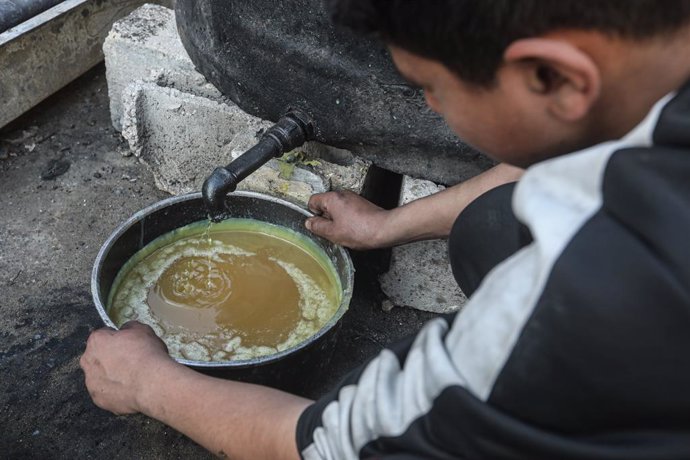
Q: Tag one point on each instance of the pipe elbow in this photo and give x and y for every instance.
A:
(291, 131)
(215, 187)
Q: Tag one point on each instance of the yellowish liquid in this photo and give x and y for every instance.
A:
(234, 290)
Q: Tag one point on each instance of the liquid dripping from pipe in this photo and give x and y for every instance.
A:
(206, 238)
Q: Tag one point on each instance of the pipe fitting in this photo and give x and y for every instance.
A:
(290, 132)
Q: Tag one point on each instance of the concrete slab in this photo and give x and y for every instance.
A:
(46, 52)
(182, 127)
(419, 275)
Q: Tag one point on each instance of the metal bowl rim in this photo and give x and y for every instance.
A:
(262, 360)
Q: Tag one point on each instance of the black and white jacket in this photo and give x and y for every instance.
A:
(576, 347)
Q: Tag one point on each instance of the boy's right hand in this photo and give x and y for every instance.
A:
(347, 219)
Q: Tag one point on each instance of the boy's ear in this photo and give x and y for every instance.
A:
(559, 71)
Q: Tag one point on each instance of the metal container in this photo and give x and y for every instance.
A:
(288, 370)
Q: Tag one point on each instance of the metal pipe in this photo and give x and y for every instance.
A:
(291, 131)
(14, 12)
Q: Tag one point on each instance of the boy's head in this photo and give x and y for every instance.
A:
(525, 80)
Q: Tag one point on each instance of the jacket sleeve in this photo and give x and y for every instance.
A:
(378, 409)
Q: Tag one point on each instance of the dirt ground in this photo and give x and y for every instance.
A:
(64, 187)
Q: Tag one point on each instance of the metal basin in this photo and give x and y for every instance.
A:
(287, 370)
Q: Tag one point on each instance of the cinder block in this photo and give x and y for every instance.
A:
(183, 137)
(420, 275)
(146, 46)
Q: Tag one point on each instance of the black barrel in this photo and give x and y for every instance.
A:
(269, 56)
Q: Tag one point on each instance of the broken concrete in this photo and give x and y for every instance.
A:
(145, 46)
(419, 275)
(182, 127)
(162, 128)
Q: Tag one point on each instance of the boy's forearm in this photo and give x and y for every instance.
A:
(433, 216)
(230, 419)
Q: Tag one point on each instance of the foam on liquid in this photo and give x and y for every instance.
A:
(234, 290)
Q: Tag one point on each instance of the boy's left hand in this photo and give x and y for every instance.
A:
(120, 365)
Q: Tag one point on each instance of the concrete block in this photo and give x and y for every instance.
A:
(183, 127)
(45, 53)
(420, 275)
(145, 46)
(183, 137)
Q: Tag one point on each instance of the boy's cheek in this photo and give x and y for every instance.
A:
(500, 144)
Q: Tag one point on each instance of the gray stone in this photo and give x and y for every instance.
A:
(419, 275)
(183, 137)
(182, 127)
(145, 46)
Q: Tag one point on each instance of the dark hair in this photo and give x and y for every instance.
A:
(470, 36)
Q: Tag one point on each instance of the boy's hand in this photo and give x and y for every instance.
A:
(347, 219)
(119, 364)
(129, 371)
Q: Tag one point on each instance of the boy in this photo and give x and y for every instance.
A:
(572, 345)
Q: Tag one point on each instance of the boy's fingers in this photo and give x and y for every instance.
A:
(317, 203)
(323, 203)
(319, 226)
(131, 325)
